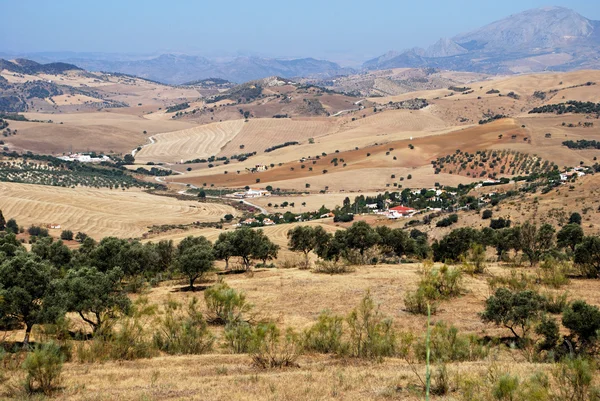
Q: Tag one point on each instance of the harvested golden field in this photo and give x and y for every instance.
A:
(101, 213)
(198, 142)
(82, 132)
(64, 100)
(312, 201)
(369, 168)
(258, 134)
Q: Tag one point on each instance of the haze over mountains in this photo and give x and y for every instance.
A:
(181, 68)
(550, 38)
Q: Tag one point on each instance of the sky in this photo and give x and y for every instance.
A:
(343, 31)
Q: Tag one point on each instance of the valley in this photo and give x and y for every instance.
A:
(425, 225)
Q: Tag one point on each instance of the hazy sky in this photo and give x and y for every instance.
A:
(342, 31)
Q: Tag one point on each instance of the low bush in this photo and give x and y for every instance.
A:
(332, 267)
(125, 338)
(225, 305)
(417, 302)
(325, 336)
(554, 273)
(555, 303)
(239, 337)
(44, 369)
(183, 332)
(436, 284)
(371, 335)
(292, 262)
(515, 281)
(448, 345)
(574, 379)
(270, 348)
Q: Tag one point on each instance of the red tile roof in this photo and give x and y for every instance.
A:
(402, 209)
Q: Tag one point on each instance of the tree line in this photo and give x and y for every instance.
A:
(41, 285)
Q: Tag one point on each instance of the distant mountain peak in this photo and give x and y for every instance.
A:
(444, 47)
(26, 66)
(546, 27)
(564, 38)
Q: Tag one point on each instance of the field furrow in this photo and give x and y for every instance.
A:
(99, 212)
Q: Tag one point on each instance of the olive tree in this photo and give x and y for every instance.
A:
(195, 260)
(569, 236)
(25, 280)
(361, 236)
(305, 239)
(513, 310)
(94, 295)
(224, 248)
(587, 256)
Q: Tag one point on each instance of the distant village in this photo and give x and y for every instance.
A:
(84, 158)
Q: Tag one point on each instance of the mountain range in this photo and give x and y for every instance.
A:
(548, 38)
(181, 68)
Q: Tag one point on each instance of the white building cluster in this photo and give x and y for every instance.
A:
(84, 158)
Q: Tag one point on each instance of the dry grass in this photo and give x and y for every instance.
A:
(295, 298)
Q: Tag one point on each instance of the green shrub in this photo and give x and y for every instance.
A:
(435, 284)
(44, 368)
(548, 329)
(416, 302)
(226, 305)
(574, 380)
(476, 260)
(332, 267)
(440, 381)
(554, 273)
(506, 388)
(516, 281)
(239, 337)
(181, 332)
(66, 235)
(448, 345)
(325, 336)
(270, 348)
(556, 303)
(583, 320)
(121, 339)
(442, 283)
(371, 334)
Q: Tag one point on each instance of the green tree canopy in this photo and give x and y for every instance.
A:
(361, 236)
(94, 295)
(587, 256)
(514, 310)
(569, 236)
(195, 260)
(224, 248)
(305, 239)
(25, 280)
(582, 320)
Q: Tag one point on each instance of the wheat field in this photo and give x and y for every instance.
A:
(192, 143)
(258, 134)
(101, 212)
